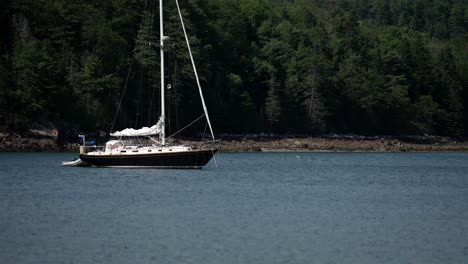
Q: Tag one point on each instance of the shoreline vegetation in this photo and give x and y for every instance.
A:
(374, 67)
(52, 141)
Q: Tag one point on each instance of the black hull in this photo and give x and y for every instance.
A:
(193, 159)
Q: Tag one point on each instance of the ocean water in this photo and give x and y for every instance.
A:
(251, 208)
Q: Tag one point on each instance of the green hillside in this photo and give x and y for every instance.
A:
(306, 66)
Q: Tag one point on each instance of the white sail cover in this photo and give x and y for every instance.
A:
(144, 131)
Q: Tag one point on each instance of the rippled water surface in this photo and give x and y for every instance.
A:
(252, 208)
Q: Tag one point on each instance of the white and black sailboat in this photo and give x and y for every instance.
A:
(157, 154)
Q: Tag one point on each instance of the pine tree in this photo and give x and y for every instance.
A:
(449, 96)
(425, 109)
(456, 21)
(273, 105)
(146, 52)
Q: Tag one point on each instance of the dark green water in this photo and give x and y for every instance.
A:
(253, 208)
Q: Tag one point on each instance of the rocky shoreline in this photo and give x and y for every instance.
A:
(50, 141)
(320, 144)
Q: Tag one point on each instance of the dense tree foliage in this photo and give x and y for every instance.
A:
(291, 66)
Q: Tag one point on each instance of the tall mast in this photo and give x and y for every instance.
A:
(162, 135)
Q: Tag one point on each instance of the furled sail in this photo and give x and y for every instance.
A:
(144, 131)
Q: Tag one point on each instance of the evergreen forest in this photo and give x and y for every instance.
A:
(370, 67)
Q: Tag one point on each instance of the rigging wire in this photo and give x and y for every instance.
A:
(152, 88)
(203, 137)
(208, 124)
(175, 86)
(128, 76)
(139, 96)
(123, 93)
(195, 70)
(193, 122)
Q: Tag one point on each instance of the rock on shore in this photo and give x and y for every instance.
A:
(314, 144)
(34, 141)
(342, 144)
(48, 141)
